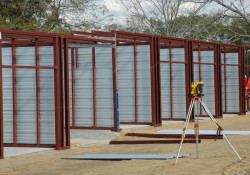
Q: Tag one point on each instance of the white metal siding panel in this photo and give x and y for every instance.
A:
(84, 89)
(46, 56)
(232, 80)
(25, 56)
(178, 91)
(7, 104)
(47, 107)
(126, 85)
(26, 106)
(165, 90)
(104, 87)
(144, 84)
(207, 76)
(178, 54)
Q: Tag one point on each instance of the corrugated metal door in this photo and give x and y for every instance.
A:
(230, 82)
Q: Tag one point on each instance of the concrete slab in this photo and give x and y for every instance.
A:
(14, 151)
(126, 156)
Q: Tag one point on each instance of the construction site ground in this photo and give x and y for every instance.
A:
(216, 157)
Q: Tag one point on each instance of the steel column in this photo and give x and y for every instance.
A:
(1, 102)
(66, 143)
(114, 70)
(171, 79)
(94, 85)
(135, 81)
(37, 91)
(14, 92)
(73, 84)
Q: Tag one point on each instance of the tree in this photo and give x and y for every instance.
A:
(160, 16)
(22, 14)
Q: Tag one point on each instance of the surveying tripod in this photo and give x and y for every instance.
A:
(196, 94)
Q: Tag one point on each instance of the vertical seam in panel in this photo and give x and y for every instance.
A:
(73, 85)
(1, 104)
(171, 83)
(135, 81)
(94, 85)
(37, 91)
(14, 92)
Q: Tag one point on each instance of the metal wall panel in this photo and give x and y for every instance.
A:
(126, 83)
(230, 83)
(47, 107)
(26, 106)
(144, 84)
(7, 103)
(179, 91)
(178, 80)
(206, 75)
(84, 89)
(165, 89)
(104, 87)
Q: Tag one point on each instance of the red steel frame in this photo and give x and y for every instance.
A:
(1, 104)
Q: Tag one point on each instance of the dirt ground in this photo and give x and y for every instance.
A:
(216, 157)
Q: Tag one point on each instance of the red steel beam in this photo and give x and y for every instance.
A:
(66, 89)
(225, 79)
(135, 81)
(159, 108)
(14, 92)
(152, 73)
(171, 80)
(94, 85)
(114, 88)
(152, 141)
(73, 85)
(37, 91)
(171, 136)
(27, 67)
(1, 103)
(30, 145)
(57, 91)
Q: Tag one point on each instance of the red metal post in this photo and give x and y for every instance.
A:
(114, 87)
(199, 63)
(171, 80)
(159, 114)
(37, 91)
(135, 81)
(152, 72)
(14, 92)
(94, 85)
(66, 88)
(225, 78)
(73, 85)
(1, 103)
(57, 90)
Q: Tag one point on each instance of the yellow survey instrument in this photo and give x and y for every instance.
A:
(197, 89)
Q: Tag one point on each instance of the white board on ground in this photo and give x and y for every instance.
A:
(202, 132)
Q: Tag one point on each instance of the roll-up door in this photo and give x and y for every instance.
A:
(230, 82)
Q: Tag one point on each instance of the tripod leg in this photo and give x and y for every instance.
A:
(184, 129)
(213, 119)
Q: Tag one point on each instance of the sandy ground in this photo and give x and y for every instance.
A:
(216, 157)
